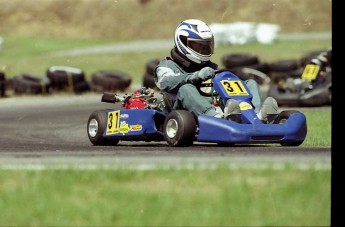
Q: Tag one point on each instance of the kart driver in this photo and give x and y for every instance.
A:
(189, 64)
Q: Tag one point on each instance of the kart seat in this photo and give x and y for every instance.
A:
(169, 100)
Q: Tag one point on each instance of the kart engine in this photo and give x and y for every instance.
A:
(139, 99)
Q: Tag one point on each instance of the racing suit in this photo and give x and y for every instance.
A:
(171, 76)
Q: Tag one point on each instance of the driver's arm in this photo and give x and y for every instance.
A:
(166, 79)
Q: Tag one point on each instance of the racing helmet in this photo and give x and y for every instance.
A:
(194, 39)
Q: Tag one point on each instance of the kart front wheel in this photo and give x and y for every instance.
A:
(281, 119)
(284, 115)
(96, 126)
(180, 128)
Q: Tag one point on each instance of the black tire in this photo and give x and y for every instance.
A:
(96, 125)
(82, 87)
(9, 83)
(2, 84)
(149, 81)
(245, 73)
(111, 80)
(30, 84)
(261, 66)
(283, 65)
(284, 115)
(230, 61)
(179, 128)
(151, 65)
(148, 77)
(65, 78)
(281, 119)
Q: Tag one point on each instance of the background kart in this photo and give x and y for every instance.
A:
(312, 88)
(146, 118)
(298, 93)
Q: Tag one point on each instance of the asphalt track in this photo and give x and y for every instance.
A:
(50, 131)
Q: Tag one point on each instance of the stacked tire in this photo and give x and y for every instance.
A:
(112, 81)
(246, 66)
(65, 78)
(27, 84)
(281, 70)
(2, 85)
(148, 77)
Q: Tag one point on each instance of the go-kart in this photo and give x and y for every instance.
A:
(312, 88)
(144, 117)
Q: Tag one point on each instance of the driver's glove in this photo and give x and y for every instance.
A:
(202, 75)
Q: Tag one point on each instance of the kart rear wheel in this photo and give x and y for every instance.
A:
(281, 119)
(179, 128)
(96, 125)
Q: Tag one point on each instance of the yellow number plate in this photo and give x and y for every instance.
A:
(310, 72)
(113, 123)
(234, 87)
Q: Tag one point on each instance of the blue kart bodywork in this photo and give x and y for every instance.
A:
(137, 124)
(223, 131)
(147, 125)
(288, 128)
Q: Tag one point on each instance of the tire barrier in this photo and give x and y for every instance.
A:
(282, 77)
(246, 66)
(2, 85)
(246, 73)
(283, 65)
(30, 84)
(107, 80)
(148, 79)
(65, 78)
(283, 69)
(231, 61)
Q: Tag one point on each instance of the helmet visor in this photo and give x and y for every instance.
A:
(203, 47)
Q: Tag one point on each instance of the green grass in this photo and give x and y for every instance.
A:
(319, 124)
(219, 197)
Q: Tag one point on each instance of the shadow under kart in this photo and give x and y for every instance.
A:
(145, 118)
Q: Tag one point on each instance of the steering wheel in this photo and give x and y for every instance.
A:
(206, 87)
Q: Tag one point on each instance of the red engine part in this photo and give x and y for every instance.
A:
(135, 103)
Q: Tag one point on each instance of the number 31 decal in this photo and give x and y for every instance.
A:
(113, 123)
(234, 87)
